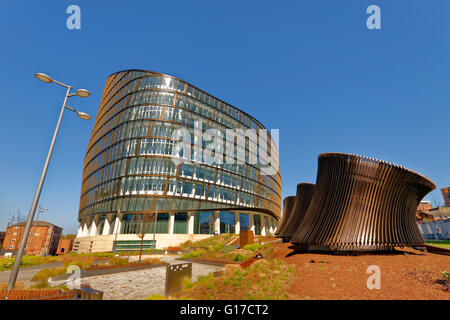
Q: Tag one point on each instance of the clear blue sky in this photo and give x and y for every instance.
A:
(310, 68)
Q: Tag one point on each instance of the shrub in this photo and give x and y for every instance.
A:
(194, 254)
(230, 269)
(44, 274)
(238, 257)
(117, 261)
(253, 247)
(80, 261)
(263, 280)
(153, 261)
(156, 297)
(18, 286)
(227, 249)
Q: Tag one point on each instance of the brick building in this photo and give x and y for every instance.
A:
(422, 212)
(446, 195)
(2, 237)
(64, 246)
(42, 240)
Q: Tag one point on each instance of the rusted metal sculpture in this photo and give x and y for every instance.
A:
(288, 204)
(303, 198)
(362, 204)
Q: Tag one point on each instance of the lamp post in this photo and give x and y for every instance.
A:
(81, 93)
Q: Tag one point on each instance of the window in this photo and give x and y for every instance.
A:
(257, 222)
(244, 221)
(181, 223)
(227, 223)
(204, 223)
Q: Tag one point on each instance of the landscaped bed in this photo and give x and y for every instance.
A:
(264, 279)
(405, 274)
(215, 249)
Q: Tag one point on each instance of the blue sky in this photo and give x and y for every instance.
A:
(310, 68)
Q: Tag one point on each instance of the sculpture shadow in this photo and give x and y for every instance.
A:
(394, 252)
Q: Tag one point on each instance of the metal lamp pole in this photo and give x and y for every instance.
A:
(81, 93)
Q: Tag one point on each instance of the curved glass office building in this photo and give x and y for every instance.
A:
(137, 182)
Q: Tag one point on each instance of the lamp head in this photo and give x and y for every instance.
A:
(83, 115)
(82, 93)
(44, 77)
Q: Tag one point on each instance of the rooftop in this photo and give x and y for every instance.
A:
(36, 224)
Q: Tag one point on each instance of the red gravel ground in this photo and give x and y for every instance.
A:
(408, 274)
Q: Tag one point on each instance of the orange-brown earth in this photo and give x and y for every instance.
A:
(405, 274)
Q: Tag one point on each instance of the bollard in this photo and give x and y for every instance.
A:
(245, 237)
(175, 274)
(87, 293)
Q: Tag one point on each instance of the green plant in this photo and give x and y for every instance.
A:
(446, 274)
(117, 261)
(238, 257)
(265, 279)
(156, 297)
(44, 274)
(253, 247)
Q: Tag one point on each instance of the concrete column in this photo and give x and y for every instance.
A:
(106, 227)
(191, 223)
(85, 232)
(217, 222)
(252, 222)
(117, 226)
(237, 225)
(80, 230)
(93, 230)
(263, 225)
(171, 222)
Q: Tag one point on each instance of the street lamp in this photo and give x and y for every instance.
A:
(81, 93)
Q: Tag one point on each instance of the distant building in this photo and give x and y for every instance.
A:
(64, 246)
(424, 206)
(440, 213)
(2, 237)
(42, 240)
(422, 212)
(446, 195)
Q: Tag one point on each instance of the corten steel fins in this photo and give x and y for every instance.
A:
(303, 198)
(288, 204)
(362, 204)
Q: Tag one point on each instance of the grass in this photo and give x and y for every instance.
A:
(7, 263)
(117, 261)
(219, 240)
(440, 243)
(253, 247)
(44, 274)
(265, 280)
(156, 297)
(18, 286)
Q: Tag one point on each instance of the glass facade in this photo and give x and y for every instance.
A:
(244, 221)
(257, 224)
(181, 223)
(204, 223)
(227, 222)
(129, 169)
